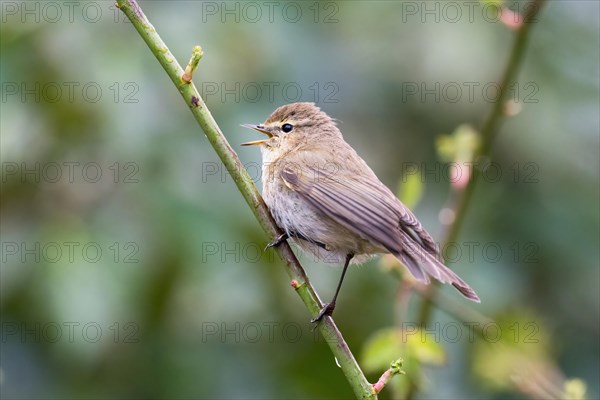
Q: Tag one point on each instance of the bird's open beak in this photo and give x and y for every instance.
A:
(260, 129)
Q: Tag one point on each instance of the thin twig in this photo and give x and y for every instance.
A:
(359, 384)
(190, 70)
(395, 369)
(488, 132)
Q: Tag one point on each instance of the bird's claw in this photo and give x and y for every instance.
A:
(277, 241)
(326, 310)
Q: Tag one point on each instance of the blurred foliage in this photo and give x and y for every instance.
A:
(517, 347)
(182, 302)
(521, 356)
(459, 146)
(410, 188)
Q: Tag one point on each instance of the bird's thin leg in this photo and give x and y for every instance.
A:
(277, 241)
(329, 307)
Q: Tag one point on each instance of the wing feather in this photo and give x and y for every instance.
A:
(349, 203)
(369, 209)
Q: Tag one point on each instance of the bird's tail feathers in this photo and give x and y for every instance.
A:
(422, 265)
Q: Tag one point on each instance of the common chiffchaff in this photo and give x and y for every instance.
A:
(327, 199)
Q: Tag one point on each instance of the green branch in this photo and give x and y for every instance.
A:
(182, 80)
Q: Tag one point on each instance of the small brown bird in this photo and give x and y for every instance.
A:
(327, 199)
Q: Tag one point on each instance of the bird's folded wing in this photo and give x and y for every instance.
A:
(359, 204)
(369, 209)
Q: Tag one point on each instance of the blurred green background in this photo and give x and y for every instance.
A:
(132, 267)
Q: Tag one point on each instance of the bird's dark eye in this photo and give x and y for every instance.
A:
(287, 128)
